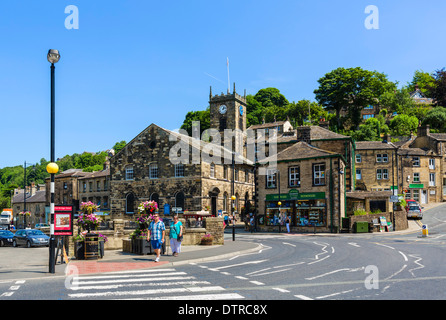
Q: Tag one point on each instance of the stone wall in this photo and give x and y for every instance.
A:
(400, 219)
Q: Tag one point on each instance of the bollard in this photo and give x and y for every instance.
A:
(425, 230)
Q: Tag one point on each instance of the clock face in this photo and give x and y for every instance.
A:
(241, 110)
(223, 109)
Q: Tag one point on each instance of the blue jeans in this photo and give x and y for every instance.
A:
(156, 244)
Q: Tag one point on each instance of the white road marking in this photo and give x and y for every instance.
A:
(302, 297)
(257, 283)
(281, 290)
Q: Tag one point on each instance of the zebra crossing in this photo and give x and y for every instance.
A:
(147, 284)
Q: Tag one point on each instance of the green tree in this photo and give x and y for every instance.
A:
(118, 146)
(438, 90)
(370, 130)
(204, 117)
(424, 80)
(352, 89)
(436, 119)
(403, 125)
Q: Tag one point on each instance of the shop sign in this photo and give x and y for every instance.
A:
(295, 195)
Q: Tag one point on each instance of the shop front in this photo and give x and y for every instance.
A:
(306, 210)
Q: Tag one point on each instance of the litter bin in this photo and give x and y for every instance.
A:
(91, 246)
(361, 227)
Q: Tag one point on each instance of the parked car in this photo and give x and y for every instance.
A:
(414, 211)
(6, 238)
(41, 225)
(410, 202)
(30, 238)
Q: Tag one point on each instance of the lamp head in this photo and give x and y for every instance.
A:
(52, 167)
(53, 56)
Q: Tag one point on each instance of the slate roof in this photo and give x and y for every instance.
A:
(300, 150)
(373, 145)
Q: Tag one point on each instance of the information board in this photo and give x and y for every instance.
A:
(63, 220)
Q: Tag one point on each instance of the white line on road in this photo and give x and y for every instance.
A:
(144, 292)
(257, 283)
(238, 264)
(281, 290)
(405, 258)
(289, 244)
(222, 296)
(354, 244)
(302, 297)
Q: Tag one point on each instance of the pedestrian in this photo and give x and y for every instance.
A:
(251, 224)
(287, 222)
(176, 236)
(157, 231)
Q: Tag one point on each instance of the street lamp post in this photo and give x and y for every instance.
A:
(52, 168)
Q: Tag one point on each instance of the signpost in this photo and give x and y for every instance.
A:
(63, 226)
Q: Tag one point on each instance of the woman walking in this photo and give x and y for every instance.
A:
(176, 236)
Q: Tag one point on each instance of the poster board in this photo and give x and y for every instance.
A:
(383, 222)
(63, 220)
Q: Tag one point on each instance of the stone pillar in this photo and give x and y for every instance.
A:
(214, 226)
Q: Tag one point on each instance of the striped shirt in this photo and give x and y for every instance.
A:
(156, 230)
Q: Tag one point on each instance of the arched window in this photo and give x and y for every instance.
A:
(155, 197)
(179, 201)
(130, 203)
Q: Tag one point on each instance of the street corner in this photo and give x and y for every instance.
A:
(91, 267)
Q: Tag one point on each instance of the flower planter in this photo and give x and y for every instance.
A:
(141, 246)
(207, 242)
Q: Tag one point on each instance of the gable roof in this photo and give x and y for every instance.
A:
(374, 145)
(191, 141)
(301, 151)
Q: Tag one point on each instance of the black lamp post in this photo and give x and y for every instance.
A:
(52, 168)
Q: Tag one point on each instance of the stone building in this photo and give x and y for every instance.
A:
(33, 201)
(66, 188)
(95, 187)
(308, 186)
(375, 166)
(144, 170)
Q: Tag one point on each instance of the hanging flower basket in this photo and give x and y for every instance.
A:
(147, 207)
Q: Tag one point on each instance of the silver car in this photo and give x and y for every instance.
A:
(414, 211)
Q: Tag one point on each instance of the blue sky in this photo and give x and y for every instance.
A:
(133, 63)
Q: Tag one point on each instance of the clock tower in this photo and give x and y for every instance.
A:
(228, 111)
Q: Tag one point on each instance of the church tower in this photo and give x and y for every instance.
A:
(228, 111)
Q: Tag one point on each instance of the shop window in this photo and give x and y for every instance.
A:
(311, 213)
(294, 176)
(319, 174)
(276, 215)
(416, 195)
